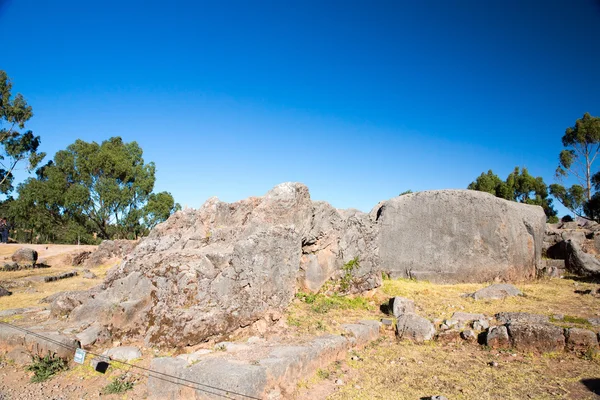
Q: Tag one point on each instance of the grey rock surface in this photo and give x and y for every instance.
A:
(580, 339)
(364, 331)
(25, 256)
(465, 317)
(579, 262)
(414, 327)
(542, 337)
(107, 250)
(209, 271)
(91, 334)
(497, 337)
(123, 353)
(60, 344)
(400, 305)
(264, 370)
(4, 292)
(459, 236)
(497, 291)
(511, 317)
(19, 355)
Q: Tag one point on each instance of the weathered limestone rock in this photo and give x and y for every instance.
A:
(206, 272)
(25, 256)
(579, 262)
(536, 336)
(108, 249)
(414, 327)
(497, 291)
(400, 305)
(459, 236)
(264, 370)
(91, 334)
(497, 337)
(123, 353)
(581, 339)
(511, 317)
(4, 292)
(60, 345)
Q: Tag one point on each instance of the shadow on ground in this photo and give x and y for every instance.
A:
(593, 385)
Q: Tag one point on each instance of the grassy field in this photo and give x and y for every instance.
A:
(402, 370)
(28, 286)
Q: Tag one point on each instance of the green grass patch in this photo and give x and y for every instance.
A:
(44, 368)
(576, 320)
(322, 304)
(118, 385)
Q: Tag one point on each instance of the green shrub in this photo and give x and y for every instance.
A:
(118, 385)
(348, 268)
(553, 219)
(44, 368)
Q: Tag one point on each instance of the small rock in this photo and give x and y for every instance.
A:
(400, 305)
(4, 292)
(125, 353)
(493, 364)
(497, 291)
(414, 327)
(580, 339)
(339, 382)
(25, 256)
(497, 337)
(87, 274)
(481, 325)
(468, 335)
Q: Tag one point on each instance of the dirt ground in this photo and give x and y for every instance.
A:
(386, 369)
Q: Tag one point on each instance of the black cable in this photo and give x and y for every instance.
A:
(137, 366)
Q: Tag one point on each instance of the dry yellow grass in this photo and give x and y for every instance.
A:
(549, 297)
(394, 370)
(32, 292)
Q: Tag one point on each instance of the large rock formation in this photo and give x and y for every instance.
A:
(206, 272)
(459, 236)
(573, 247)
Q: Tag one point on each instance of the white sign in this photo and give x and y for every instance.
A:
(79, 356)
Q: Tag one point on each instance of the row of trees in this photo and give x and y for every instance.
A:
(581, 144)
(88, 192)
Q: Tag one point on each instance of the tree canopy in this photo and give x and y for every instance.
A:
(582, 145)
(92, 189)
(16, 144)
(519, 186)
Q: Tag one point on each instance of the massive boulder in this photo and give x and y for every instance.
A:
(459, 236)
(203, 273)
(206, 272)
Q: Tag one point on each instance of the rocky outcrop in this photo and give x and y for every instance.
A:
(107, 250)
(25, 256)
(572, 247)
(206, 272)
(459, 236)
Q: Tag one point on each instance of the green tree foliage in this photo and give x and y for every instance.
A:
(582, 144)
(519, 186)
(572, 198)
(16, 144)
(158, 208)
(92, 189)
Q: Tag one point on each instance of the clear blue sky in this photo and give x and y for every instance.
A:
(359, 100)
